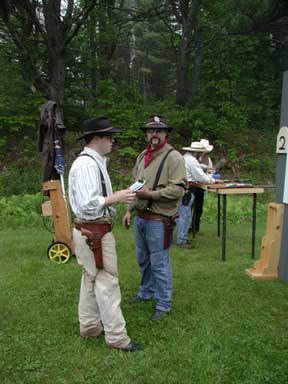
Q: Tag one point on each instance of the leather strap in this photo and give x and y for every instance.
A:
(158, 174)
(104, 189)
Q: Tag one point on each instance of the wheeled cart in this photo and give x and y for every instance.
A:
(62, 247)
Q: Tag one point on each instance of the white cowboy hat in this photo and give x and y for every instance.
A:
(206, 144)
(199, 146)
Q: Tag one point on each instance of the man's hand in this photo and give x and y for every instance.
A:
(126, 220)
(124, 196)
(144, 193)
(211, 171)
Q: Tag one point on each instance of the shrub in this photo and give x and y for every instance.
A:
(25, 211)
(21, 211)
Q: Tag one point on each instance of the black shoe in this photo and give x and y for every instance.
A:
(158, 315)
(132, 347)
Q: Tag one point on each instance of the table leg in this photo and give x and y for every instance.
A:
(253, 225)
(218, 215)
(224, 229)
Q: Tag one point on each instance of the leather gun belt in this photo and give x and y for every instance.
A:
(148, 215)
(94, 233)
(169, 223)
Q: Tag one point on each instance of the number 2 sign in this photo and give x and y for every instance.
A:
(282, 141)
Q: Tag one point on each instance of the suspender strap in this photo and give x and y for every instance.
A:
(104, 189)
(103, 184)
(158, 174)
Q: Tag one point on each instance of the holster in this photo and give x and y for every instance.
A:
(186, 198)
(94, 233)
(169, 224)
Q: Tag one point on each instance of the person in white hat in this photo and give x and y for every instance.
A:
(195, 174)
(199, 193)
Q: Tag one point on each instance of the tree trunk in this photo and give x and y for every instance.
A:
(182, 90)
(92, 53)
(196, 67)
(56, 51)
(35, 23)
(189, 19)
(57, 74)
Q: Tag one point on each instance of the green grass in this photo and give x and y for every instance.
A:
(224, 327)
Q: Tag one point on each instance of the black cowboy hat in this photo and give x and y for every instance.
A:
(98, 126)
(156, 121)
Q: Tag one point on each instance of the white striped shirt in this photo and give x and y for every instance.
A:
(85, 188)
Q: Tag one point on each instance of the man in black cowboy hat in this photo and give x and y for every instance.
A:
(155, 207)
(92, 200)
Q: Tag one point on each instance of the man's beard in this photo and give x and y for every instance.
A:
(155, 144)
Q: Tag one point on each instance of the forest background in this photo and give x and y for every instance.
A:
(213, 68)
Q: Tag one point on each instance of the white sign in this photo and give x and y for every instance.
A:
(282, 141)
(285, 191)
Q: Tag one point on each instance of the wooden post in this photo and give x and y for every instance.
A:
(266, 268)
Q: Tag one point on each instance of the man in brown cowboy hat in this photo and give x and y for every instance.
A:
(92, 201)
(155, 207)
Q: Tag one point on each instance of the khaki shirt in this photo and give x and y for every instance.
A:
(171, 185)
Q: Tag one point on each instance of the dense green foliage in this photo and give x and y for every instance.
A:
(25, 211)
(224, 327)
(214, 69)
(130, 59)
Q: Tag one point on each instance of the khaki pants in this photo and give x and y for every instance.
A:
(100, 295)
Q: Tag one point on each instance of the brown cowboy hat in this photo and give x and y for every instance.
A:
(156, 121)
(98, 126)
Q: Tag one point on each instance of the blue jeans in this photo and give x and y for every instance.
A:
(154, 263)
(184, 221)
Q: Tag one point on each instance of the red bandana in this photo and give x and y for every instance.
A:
(150, 152)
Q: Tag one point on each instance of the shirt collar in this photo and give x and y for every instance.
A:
(95, 155)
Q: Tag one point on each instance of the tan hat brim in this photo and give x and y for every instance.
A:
(190, 149)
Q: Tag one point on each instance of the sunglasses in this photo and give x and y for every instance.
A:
(155, 130)
(110, 138)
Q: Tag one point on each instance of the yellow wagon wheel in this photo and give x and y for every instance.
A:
(59, 252)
